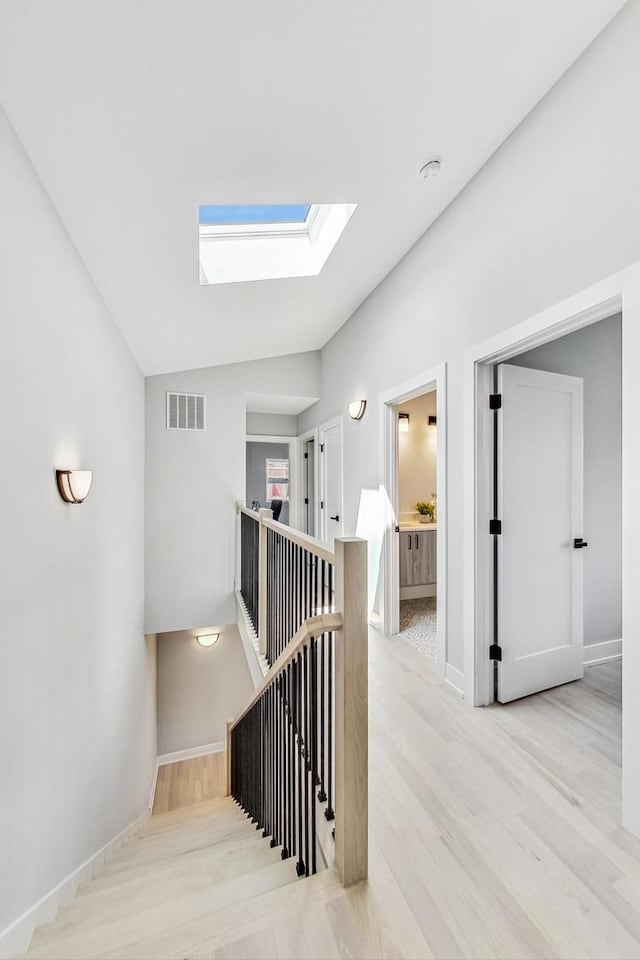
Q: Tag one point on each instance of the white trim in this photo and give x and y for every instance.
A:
(414, 593)
(321, 496)
(426, 382)
(602, 300)
(191, 753)
(454, 679)
(257, 667)
(154, 784)
(15, 938)
(602, 652)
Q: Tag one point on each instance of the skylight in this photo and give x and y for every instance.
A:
(254, 213)
(240, 242)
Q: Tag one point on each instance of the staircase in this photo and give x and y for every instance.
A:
(189, 883)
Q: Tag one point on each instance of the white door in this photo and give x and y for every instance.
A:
(539, 498)
(330, 440)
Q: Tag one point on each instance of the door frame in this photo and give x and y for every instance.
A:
(293, 470)
(301, 440)
(596, 303)
(429, 380)
(321, 476)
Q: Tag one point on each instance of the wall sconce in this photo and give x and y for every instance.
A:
(403, 422)
(207, 639)
(432, 422)
(74, 485)
(357, 409)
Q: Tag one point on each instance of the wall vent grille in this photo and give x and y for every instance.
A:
(186, 411)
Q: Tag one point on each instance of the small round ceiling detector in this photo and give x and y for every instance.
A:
(431, 168)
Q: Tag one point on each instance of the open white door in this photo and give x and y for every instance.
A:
(330, 440)
(539, 558)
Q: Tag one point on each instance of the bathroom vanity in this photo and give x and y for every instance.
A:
(418, 570)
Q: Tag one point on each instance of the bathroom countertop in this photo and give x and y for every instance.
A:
(417, 527)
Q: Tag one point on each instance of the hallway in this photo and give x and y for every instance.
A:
(482, 822)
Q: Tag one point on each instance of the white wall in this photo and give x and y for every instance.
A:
(77, 683)
(417, 450)
(272, 425)
(553, 211)
(199, 688)
(193, 481)
(595, 354)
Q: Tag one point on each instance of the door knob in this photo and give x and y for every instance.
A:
(579, 543)
(337, 517)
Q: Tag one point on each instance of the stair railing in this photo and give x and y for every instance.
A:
(299, 748)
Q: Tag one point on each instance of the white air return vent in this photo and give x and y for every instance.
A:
(186, 411)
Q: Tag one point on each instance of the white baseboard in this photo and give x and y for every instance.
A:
(602, 652)
(15, 938)
(454, 678)
(202, 751)
(249, 642)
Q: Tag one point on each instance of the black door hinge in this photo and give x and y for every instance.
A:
(495, 401)
(495, 652)
(397, 528)
(495, 526)
(322, 448)
(322, 504)
(306, 456)
(306, 500)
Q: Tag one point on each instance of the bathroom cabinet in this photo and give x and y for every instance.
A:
(417, 557)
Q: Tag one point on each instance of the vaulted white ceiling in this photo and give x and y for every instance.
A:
(135, 111)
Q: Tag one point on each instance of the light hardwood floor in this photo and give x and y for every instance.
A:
(493, 833)
(187, 782)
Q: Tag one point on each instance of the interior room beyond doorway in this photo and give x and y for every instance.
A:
(418, 521)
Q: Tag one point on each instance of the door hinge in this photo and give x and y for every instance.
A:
(397, 528)
(495, 526)
(322, 504)
(306, 456)
(495, 652)
(322, 448)
(306, 500)
(495, 401)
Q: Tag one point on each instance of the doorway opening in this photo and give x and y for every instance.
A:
(412, 602)
(549, 489)
(418, 521)
(270, 476)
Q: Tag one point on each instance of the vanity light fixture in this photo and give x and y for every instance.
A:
(433, 421)
(357, 409)
(403, 422)
(74, 485)
(207, 639)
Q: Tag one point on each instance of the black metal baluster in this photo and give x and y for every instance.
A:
(313, 653)
(329, 812)
(305, 754)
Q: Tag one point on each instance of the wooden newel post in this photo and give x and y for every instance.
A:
(351, 707)
(265, 514)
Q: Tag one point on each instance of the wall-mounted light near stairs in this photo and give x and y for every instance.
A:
(357, 408)
(207, 639)
(74, 485)
(403, 422)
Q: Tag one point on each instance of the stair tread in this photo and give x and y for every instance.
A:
(94, 933)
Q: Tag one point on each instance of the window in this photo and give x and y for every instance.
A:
(277, 479)
(267, 241)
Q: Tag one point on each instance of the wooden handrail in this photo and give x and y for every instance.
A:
(312, 627)
(316, 547)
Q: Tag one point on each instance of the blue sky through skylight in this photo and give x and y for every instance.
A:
(237, 214)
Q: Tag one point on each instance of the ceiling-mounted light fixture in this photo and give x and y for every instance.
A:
(357, 409)
(433, 421)
(207, 639)
(403, 422)
(74, 485)
(431, 168)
